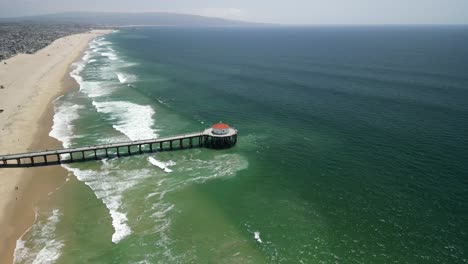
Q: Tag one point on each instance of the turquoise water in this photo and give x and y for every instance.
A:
(352, 148)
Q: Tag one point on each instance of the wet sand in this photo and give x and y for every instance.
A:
(31, 84)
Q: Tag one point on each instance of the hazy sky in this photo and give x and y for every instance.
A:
(275, 11)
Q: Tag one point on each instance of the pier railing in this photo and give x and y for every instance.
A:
(96, 152)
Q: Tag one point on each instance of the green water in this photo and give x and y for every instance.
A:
(352, 148)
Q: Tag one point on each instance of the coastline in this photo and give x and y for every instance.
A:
(31, 84)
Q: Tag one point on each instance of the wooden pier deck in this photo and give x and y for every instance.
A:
(68, 155)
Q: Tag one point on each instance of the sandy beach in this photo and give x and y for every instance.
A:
(30, 85)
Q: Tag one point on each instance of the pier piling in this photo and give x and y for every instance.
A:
(208, 138)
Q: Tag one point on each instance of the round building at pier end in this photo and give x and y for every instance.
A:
(220, 135)
(220, 129)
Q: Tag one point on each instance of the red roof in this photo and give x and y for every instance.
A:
(220, 126)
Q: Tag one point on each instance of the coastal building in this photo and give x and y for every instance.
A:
(219, 136)
(220, 129)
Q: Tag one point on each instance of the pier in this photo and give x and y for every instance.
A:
(217, 137)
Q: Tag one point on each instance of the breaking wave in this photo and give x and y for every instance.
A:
(133, 120)
(125, 77)
(114, 181)
(62, 128)
(41, 246)
(109, 187)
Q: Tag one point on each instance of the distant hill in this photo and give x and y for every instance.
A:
(123, 19)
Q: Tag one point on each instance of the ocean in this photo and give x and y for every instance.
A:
(352, 148)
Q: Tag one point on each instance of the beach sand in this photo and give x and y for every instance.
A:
(31, 84)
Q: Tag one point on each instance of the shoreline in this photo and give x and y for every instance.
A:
(48, 78)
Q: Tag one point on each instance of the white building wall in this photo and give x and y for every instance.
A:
(221, 131)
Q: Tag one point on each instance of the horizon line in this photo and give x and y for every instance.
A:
(243, 21)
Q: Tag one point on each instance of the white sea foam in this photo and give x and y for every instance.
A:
(197, 171)
(50, 253)
(121, 77)
(163, 102)
(95, 89)
(39, 244)
(257, 236)
(143, 262)
(62, 129)
(163, 165)
(106, 191)
(133, 120)
(101, 42)
(104, 49)
(110, 55)
(125, 77)
(21, 251)
(220, 166)
(98, 50)
(162, 213)
(192, 170)
(78, 68)
(105, 73)
(109, 186)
